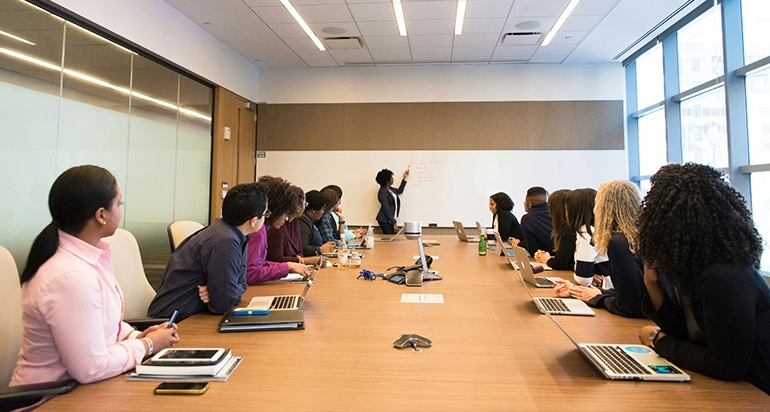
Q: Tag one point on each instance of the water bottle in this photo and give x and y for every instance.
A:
(482, 246)
(342, 255)
(355, 260)
(369, 238)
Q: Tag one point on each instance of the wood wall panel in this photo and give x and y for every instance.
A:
(540, 125)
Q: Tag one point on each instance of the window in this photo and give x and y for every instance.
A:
(652, 142)
(756, 30)
(704, 125)
(760, 195)
(700, 50)
(758, 112)
(649, 77)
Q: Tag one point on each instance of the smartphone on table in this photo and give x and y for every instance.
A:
(182, 388)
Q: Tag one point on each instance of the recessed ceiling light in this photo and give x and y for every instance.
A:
(302, 24)
(17, 38)
(460, 16)
(560, 22)
(399, 10)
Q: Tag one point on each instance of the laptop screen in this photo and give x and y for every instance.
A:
(422, 255)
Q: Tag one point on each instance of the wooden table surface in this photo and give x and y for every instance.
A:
(492, 350)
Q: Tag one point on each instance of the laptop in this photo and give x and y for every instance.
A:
(634, 362)
(280, 303)
(520, 262)
(515, 265)
(497, 240)
(558, 306)
(389, 239)
(462, 235)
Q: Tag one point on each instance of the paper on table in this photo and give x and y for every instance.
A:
(291, 277)
(422, 298)
(418, 256)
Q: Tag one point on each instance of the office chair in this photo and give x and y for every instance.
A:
(11, 339)
(137, 292)
(179, 231)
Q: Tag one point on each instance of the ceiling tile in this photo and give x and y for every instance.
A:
(313, 55)
(386, 42)
(300, 43)
(272, 15)
(367, 1)
(476, 40)
(378, 28)
(555, 50)
(287, 31)
(477, 26)
(579, 23)
(345, 56)
(514, 52)
(547, 59)
(545, 23)
(350, 29)
(390, 54)
(263, 3)
(321, 63)
(430, 10)
(422, 27)
(526, 8)
(594, 7)
(439, 40)
(487, 9)
(431, 53)
(324, 13)
(568, 37)
(372, 11)
(472, 53)
(314, 2)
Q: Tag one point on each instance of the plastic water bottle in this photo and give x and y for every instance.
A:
(369, 238)
(482, 246)
(355, 260)
(342, 255)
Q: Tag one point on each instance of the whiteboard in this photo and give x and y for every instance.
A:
(443, 185)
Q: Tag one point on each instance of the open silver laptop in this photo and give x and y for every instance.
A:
(634, 362)
(492, 243)
(284, 302)
(460, 230)
(520, 262)
(389, 239)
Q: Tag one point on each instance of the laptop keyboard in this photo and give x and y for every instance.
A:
(617, 360)
(554, 305)
(544, 282)
(283, 302)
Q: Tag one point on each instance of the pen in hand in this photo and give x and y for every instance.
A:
(173, 318)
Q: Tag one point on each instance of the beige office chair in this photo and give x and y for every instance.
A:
(129, 272)
(179, 231)
(11, 339)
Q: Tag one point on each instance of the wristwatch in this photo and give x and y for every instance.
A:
(653, 336)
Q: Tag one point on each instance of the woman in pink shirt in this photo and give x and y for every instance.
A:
(72, 305)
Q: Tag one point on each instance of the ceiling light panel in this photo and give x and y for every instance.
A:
(398, 10)
(460, 18)
(302, 24)
(560, 21)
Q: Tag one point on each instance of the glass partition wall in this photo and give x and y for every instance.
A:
(70, 97)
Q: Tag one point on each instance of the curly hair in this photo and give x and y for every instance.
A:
(315, 200)
(580, 210)
(691, 219)
(557, 205)
(383, 177)
(297, 196)
(281, 200)
(618, 204)
(503, 201)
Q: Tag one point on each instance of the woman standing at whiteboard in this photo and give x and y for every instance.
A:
(390, 204)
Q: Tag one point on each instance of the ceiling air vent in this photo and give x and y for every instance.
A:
(344, 43)
(521, 37)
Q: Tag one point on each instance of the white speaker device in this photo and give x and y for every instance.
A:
(413, 230)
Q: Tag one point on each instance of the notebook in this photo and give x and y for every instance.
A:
(520, 262)
(389, 239)
(274, 320)
(462, 235)
(634, 362)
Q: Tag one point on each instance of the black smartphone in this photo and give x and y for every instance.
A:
(182, 388)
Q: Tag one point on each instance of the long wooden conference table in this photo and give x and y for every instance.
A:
(492, 350)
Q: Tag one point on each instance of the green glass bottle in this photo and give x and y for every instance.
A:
(482, 246)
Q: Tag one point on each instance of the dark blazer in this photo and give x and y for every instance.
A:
(509, 227)
(731, 306)
(389, 209)
(627, 275)
(537, 227)
(309, 235)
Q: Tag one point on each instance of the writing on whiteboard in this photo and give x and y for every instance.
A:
(424, 171)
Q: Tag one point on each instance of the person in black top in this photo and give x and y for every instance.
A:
(390, 203)
(536, 224)
(208, 269)
(564, 240)
(504, 222)
(617, 208)
(697, 235)
(311, 238)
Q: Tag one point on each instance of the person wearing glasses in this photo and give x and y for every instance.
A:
(208, 269)
(284, 202)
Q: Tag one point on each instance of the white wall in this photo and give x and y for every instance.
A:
(160, 28)
(456, 83)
